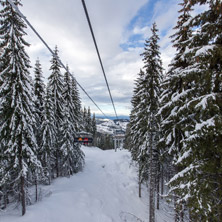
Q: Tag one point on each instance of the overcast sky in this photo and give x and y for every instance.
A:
(120, 27)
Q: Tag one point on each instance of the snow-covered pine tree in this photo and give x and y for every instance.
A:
(67, 142)
(48, 130)
(78, 121)
(176, 86)
(84, 118)
(72, 156)
(202, 149)
(144, 124)
(89, 121)
(17, 107)
(39, 92)
(94, 129)
(198, 180)
(150, 105)
(134, 126)
(138, 130)
(55, 85)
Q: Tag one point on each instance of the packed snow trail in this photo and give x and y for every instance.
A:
(106, 191)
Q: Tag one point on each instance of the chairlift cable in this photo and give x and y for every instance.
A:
(100, 60)
(50, 50)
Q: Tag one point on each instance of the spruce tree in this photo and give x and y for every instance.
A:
(176, 86)
(16, 111)
(144, 123)
(72, 156)
(94, 129)
(192, 126)
(78, 122)
(138, 130)
(202, 149)
(48, 130)
(89, 121)
(67, 145)
(56, 85)
(84, 119)
(39, 92)
(150, 103)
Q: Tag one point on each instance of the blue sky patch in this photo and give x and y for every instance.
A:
(145, 18)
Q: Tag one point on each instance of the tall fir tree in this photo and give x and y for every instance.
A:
(89, 121)
(17, 106)
(134, 126)
(78, 121)
(144, 124)
(56, 85)
(150, 103)
(176, 86)
(72, 158)
(84, 118)
(138, 130)
(196, 114)
(94, 129)
(39, 92)
(48, 130)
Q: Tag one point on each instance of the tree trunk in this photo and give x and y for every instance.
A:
(179, 211)
(220, 198)
(5, 197)
(0, 199)
(139, 183)
(152, 182)
(22, 179)
(158, 189)
(176, 208)
(162, 182)
(36, 189)
(23, 195)
(57, 164)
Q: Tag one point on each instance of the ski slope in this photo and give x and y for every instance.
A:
(106, 191)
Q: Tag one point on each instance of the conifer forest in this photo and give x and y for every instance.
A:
(173, 139)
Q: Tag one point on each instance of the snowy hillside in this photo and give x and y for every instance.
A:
(109, 126)
(106, 191)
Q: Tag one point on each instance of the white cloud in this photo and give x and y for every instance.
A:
(63, 23)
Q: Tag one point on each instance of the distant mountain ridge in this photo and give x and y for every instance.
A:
(109, 126)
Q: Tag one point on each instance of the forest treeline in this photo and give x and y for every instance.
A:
(38, 120)
(175, 131)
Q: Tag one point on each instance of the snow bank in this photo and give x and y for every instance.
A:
(106, 191)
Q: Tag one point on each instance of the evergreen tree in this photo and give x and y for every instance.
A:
(16, 132)
(89, 121)
(73, 157)
(176, 87)
(78, 121)
(94, 129)
(144, 124)
(150, 103)
(56, 91)
(135, 127)
(84, 118)
(48, 130)
(193, 125)
(39, 91)
(67, 145)
(138, 130)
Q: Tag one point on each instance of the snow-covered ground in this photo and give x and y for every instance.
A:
(108, 126)
(106, 191)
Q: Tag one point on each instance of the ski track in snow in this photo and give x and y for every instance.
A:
(106, 191)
